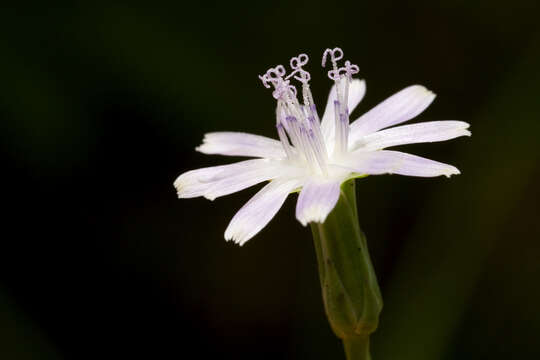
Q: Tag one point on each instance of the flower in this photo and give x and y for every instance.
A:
(315, 156)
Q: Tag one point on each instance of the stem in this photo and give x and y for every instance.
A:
(357, 348)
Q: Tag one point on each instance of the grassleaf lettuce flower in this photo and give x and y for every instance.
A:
(315, 155)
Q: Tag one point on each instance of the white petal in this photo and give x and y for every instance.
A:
(241, 144)
(415, 133)
(357, 89)
(222, 180)
(316, 201)
(191, 184)
(259, 210)
(398, 108)
(395, 162)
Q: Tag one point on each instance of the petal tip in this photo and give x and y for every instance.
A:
(421, 89)
(236, 236)
(452, 171)
(311, 215)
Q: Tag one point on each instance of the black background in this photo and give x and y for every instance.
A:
(102, 105)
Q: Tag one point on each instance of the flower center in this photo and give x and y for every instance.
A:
(298, 124)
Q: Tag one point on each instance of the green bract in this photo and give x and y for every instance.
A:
(351, 295)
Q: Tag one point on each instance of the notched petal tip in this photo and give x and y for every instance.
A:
(316, 201)
(210, 196)
(259, 210)
(180, 187)
(312, 215)
(462, 125)
(203, 148)
(422, 90)
(235, 236)
(452, 171)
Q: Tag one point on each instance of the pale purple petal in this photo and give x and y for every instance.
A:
(222, 180)
(357, 89)
(395, 162)
(398, 108)
(415, 133)
(259, 210)
(316, 200)
(241, 144)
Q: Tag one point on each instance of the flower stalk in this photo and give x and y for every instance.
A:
(351, 295)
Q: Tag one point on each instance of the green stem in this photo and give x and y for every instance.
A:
(357, 348)
(350, 291)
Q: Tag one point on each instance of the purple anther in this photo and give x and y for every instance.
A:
(290, 118)
(283, 123)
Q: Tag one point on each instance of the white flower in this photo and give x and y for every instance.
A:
(316, 155)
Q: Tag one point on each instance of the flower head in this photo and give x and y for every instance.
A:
(315, 155)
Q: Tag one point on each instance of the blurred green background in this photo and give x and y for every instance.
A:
(102, 105)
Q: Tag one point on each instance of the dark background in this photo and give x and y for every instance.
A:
(102, 105)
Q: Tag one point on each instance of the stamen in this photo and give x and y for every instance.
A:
(337, 128)
(298, 125)
(317, 135)
(344, 132)
(265, 80)
(302, 76)
(336, 54)
(294, 132)
(299, 74)
(351, 69)
(274, 77)
(342, 77)
(307, 148)
(299, 61)
(284, 141)
(315, 114)
(319, 151)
